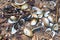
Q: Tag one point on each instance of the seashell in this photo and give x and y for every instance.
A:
(16, 3)
(40, 15)
(53, 33)
(51, 24)
(37, 9)
(34, 15)
(48, 29)
(25, 6)
(33, 22)
(51, 19)
(59, 20)
(12, 19)
(55, 27)
(28, 32)
(13, 31)
(45, 21)
(46, 14)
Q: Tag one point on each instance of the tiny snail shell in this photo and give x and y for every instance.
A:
(33, 22)
(28, 32)
(45, 21)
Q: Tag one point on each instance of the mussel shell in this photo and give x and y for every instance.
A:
(25, 6)
(28, 32)
(33, 22)
(45, 21)
(51, 19)
(55, 27)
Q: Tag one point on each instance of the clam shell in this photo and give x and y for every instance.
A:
(28, 32)
(33, 22)
(25, 6)
(55, 27)
(45, 21)
(51, 19)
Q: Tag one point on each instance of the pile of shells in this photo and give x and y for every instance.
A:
(38, 23)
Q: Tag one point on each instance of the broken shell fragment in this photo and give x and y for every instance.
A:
(28, 32)
(33, 22)
(45, 21)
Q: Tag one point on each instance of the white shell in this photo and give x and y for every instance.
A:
(33, 22)
(51, 24)
(55, 27)
(20, 3)
(45, 21)
(53, 33)
(46, 14)
(37, 9)
(13, 18)
(28, 32)
(51, 19)
(9, 21)
(13, 31)
(48, 29)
